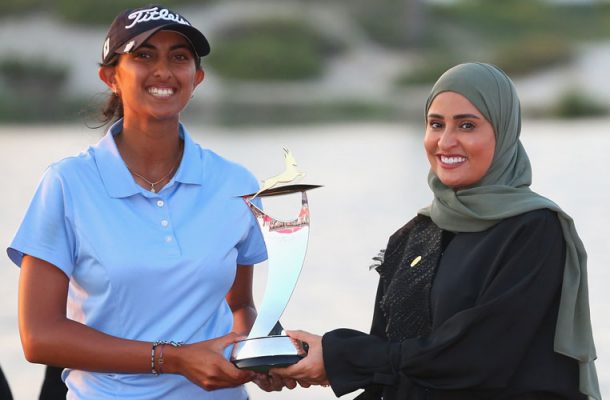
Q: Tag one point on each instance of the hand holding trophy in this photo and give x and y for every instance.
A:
(267, 346)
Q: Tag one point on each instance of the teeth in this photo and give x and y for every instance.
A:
(161, 92)
(452, 160)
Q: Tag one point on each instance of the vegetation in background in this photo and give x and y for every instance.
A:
(32, 91)
(84, 11)
(273, 49)
(575, 104)
(537, 52)
(28, 75)
(389, 22)
(520, 36)
(482, 22)
(427, 69)
(12, 7)
(102, 11)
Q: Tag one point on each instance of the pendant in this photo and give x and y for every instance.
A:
(152, 189)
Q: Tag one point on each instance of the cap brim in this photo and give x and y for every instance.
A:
(198, 42)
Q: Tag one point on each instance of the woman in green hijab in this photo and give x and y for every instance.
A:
(483, 295)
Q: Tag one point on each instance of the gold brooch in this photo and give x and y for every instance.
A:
(415, 261)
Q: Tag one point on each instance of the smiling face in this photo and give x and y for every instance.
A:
(459, 141)
(157, 79)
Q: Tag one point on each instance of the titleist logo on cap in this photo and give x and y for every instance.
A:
(153, 14)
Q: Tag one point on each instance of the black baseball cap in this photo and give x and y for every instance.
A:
(134, 26)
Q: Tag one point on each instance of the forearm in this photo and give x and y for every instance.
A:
(70, 344)
(375, 362)
(243, 319)
(240, 300)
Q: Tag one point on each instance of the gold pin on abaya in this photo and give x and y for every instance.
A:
(415, 261)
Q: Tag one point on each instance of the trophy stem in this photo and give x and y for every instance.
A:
(286, 241)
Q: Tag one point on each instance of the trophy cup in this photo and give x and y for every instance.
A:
(266, 346)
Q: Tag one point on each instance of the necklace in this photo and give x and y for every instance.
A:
(151, 183)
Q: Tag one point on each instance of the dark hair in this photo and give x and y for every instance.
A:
(112, 110)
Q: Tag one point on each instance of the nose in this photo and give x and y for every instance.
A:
(162, 69)
(447, 139)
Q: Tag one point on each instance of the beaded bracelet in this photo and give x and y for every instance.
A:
(152, 354)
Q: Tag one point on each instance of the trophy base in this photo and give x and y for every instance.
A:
(264, 353)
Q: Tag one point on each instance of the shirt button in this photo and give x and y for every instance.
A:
(164, 223)
(168, 239)
(160, 203)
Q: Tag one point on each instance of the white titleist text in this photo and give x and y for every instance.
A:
(153, 14)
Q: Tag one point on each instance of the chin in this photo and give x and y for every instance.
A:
(452, 183)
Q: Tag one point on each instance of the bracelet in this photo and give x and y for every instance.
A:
(161, 343)
(160, 360)
(152, 359)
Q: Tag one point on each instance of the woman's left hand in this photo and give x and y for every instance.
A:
(310, 370)
(273, 383)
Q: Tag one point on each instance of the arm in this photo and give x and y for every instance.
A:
(311, 370)
(240, 300)
(49, 337)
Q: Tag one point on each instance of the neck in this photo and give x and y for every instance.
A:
(150, 149)
(150, 141)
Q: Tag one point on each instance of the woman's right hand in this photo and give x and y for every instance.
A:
(204, 364)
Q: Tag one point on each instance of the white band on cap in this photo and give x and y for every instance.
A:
(154, 14)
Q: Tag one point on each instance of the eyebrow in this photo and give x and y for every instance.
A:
(456, 117)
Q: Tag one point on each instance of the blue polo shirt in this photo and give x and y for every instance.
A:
(144, 266)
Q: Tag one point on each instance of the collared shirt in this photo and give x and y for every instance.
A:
(142, 265)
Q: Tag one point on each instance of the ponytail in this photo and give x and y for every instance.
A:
(112, 110)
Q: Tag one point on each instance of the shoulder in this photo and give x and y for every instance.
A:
(230, 172)
(536, 216)
(535, 233)
(221, 164)
(403, 232)
(543, 221)
(70, 169)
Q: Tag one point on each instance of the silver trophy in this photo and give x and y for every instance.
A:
(267, 346)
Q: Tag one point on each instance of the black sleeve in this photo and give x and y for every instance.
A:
(5, 390)
(375, 391)
(53, 388)
(480, 346)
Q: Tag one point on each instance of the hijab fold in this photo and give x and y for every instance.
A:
(504, 192)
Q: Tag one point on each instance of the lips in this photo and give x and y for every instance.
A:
(161, 92)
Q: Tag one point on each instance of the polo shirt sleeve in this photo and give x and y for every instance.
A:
(45, 231)
(251, 249)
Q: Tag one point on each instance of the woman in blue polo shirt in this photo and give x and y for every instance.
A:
(136, 255)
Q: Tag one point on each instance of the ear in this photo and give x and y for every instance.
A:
(107, 75)
(199, 75)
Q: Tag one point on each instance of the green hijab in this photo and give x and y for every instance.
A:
(504, 192)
